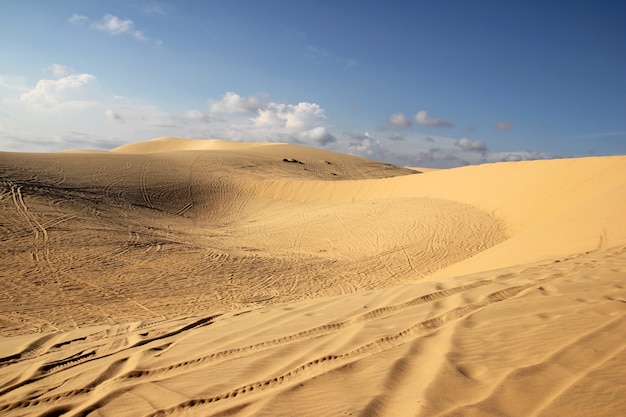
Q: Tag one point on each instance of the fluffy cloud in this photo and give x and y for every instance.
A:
(231, 117)
(365, 144)
(301, 116)
(422, 118)
(233, 103)
(318, 135)
(72, 89)
(471, 145)
(504, 125)
(399, 120)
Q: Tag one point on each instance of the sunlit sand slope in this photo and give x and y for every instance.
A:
(178, 277)
(551, 208)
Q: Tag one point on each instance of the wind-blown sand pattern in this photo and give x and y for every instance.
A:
(182, 277)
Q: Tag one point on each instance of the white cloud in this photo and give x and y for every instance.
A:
(318, 135)
(78, 19)
(365, 144)
(399, 120)
(471, 145)
(75, 88)
(504, 125)
(74, 111)
(301, 116)
(233, 103)
(113, 25)
(422, 118)
(60, 70)
(249, 118)
(268, 118)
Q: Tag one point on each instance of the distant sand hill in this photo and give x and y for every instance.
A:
(209, 277)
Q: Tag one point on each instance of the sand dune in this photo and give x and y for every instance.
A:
(186, 277)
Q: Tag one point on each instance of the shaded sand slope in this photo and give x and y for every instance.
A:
(211, 278)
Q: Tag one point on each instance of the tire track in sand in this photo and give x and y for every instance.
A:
(326, 363)
(311, 333)
(41, 251)
(51, 368)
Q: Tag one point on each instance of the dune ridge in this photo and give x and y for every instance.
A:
(189, 277)
(169, 144)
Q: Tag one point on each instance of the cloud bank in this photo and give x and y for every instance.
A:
(73, 89)
(72, 110)
(471, 145)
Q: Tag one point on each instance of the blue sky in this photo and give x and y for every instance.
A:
(412, 83)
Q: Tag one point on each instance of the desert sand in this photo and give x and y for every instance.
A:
(215, 278)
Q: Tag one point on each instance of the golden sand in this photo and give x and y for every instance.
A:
(216, 278)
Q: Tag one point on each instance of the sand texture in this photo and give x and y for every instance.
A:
(214, 278)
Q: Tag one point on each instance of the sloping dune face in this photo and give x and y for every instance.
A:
(112, 238)
(182, 277)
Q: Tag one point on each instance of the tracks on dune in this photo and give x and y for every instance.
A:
(115, 362)
(92, 351)
(334, 361)
(168, 226)
(311, 333)
(42, 347)
(40, 233)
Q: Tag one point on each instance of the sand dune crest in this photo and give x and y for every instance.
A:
(170, 144)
